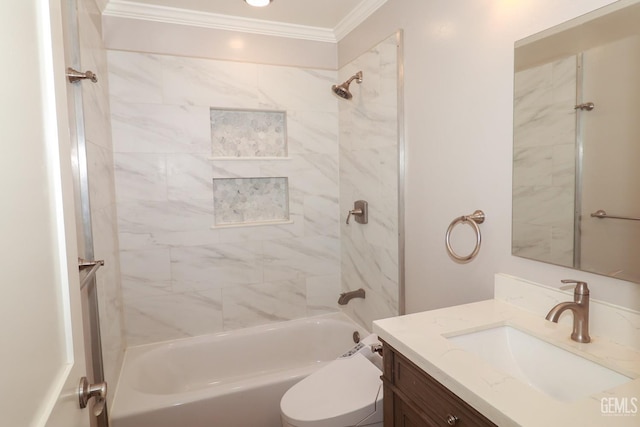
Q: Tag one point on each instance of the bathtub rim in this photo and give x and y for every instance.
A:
(127, 408)
(339, 315)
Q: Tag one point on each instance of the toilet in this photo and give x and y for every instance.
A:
(345, 393)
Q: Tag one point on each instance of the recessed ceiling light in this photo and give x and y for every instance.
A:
(258, 3)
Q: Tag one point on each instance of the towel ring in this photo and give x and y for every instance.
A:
(474, 219)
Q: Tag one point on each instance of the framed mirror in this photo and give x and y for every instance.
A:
(576, 151)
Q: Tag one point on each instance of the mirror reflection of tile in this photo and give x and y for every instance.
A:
(544, 161)
(575, 138)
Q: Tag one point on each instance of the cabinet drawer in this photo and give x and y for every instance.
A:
(430, 397)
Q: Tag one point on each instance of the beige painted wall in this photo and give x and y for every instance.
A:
(184, 40)
(458, 115)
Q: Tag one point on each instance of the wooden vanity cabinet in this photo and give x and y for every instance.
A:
(412, 398)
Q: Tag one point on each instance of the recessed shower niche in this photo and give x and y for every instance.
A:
(248, 133)
(250, 201)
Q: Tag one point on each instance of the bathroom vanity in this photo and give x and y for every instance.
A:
(499, 362)
(414, 398)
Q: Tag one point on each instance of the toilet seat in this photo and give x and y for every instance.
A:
(342, 394)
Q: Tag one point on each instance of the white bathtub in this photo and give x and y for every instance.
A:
(226, 380)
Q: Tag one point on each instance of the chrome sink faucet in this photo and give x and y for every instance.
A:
(580, 309)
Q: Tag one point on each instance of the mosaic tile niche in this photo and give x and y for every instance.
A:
(248, 133)
(242, 201)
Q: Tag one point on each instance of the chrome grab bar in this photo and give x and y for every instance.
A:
(83, 264)
(76, 76)
(474, 219)
(588, 106)
(603, 215)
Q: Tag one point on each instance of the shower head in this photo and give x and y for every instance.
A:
(343, 90)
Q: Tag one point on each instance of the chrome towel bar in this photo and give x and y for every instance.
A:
(75, 75)
(474, 219)
(83, 264)
(603, 215)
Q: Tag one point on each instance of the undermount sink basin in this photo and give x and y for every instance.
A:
(556, 372)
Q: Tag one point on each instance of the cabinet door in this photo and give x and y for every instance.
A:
(413, 398)
(405, 416)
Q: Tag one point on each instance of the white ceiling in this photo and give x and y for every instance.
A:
(324, 15)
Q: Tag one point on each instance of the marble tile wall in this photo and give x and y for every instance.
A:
(102, 191)
(181, 277)
(369, 171)
(544, 162)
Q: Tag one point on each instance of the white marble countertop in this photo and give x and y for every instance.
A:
(422, 338)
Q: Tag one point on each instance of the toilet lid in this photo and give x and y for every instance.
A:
(343, 393)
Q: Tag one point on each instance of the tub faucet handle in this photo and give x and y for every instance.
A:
(353, 212)
(360, 212)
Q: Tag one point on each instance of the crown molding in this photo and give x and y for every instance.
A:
(172, 15)
(356, 17)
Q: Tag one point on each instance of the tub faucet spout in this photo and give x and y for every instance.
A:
(580, 309)
(345, 297)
